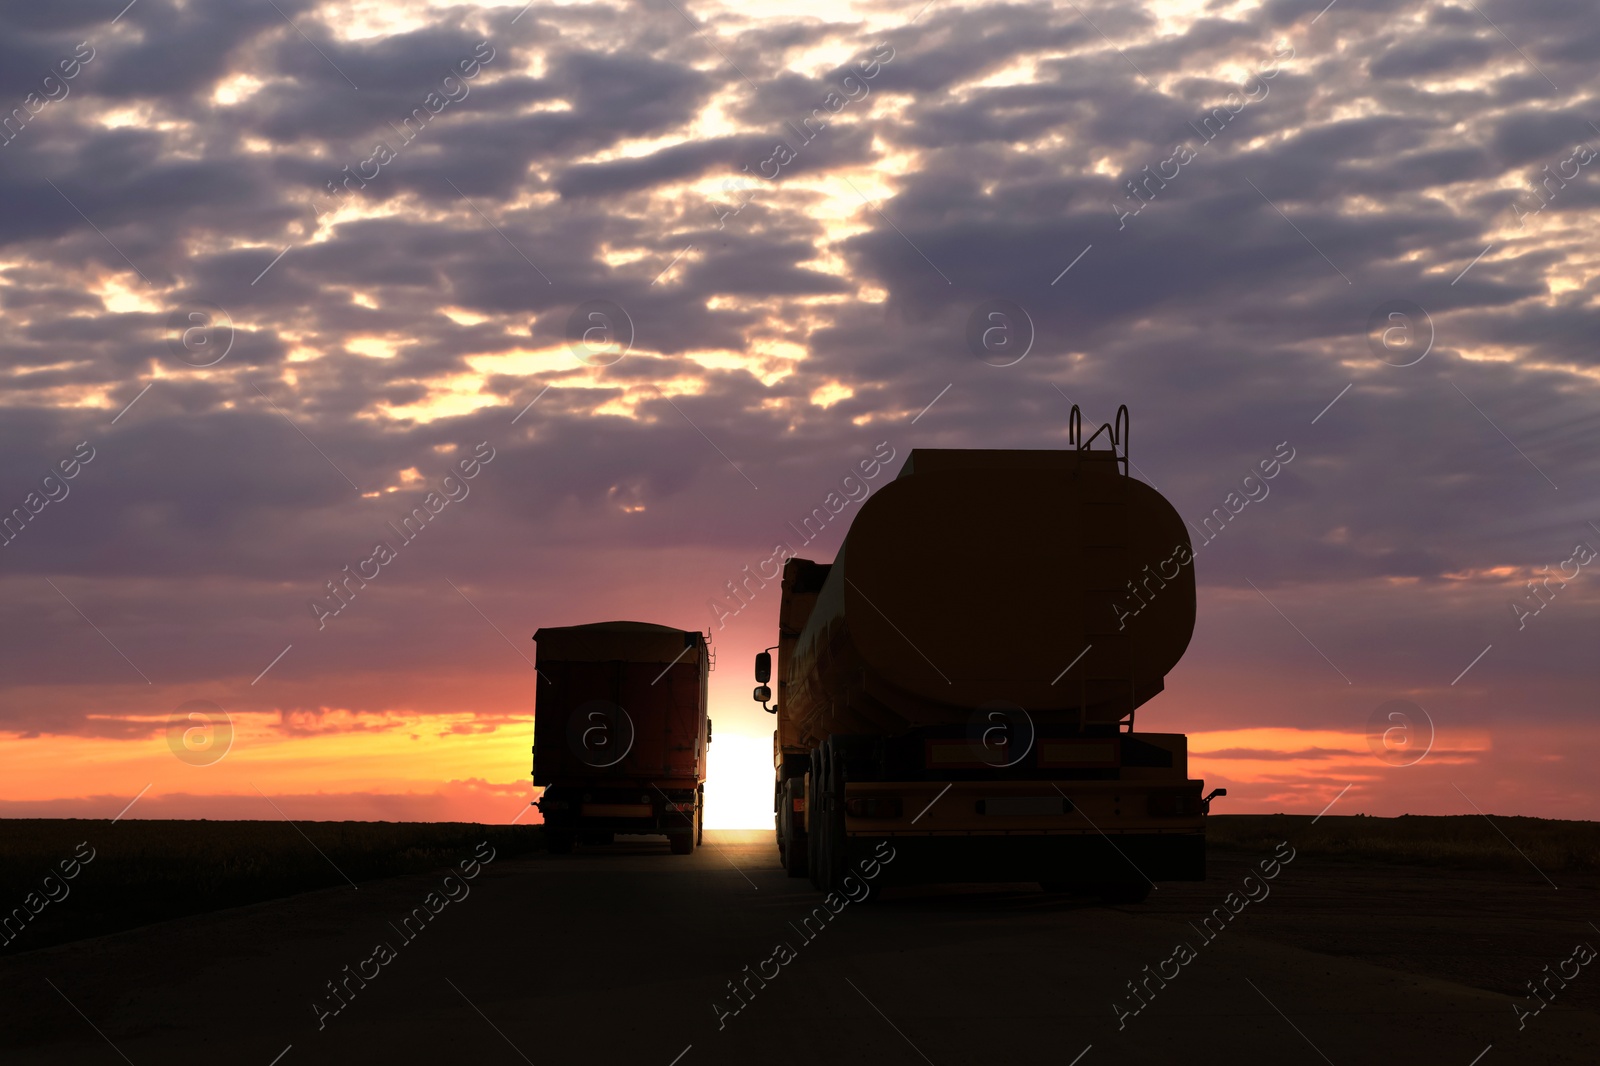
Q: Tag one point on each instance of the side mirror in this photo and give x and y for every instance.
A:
(763, 667)
(762, 694)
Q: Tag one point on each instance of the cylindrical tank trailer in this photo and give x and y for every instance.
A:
(959, 685)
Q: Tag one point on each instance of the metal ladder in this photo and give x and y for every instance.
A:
(1103, 548)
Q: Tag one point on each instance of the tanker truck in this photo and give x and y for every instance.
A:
(956, 690)
(620, 733)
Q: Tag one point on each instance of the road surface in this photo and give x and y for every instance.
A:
(626, 954)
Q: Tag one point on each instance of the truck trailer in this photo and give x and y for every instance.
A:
(957, 688)
(620, 733)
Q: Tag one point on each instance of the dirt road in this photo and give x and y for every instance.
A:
(626, 955)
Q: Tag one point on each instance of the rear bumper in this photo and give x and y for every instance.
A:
(609, 810)
(1084, 858)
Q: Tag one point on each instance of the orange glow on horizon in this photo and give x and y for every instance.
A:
(455, 767)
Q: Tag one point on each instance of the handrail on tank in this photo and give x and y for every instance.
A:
(1118, 434)
(1125, 425)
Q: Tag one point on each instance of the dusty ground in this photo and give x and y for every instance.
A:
(620, 956)
(1493, 931)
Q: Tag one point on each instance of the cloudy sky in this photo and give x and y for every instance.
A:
(273, 270)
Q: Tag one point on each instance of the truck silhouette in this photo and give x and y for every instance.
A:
(620, 733)
(960, 682)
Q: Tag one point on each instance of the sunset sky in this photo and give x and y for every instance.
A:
(798, 296)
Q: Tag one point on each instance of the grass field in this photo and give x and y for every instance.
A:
(144, 871)
(1466, 841)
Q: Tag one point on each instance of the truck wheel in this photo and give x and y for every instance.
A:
(682, 843)
(794, 855)
(557, 842)
(814, 832)
(700, 816)
(826, 819)
(1125, 892)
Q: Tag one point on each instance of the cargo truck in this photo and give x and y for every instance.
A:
(960, 682)
(620, 733)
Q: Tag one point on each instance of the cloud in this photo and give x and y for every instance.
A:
(1226, 302)
(471, 800)
(1263, 753)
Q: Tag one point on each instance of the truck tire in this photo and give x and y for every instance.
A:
(793, 850)
(826, 820)
(700, 816)
(778, 792)
(682, 842)
(814, 831)
(557, 842)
